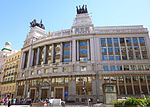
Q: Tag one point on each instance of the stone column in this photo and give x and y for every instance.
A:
(16, 89)
(23, 60)
(45, 55)
(126, 48)
(139, 84)
(132, 85)
(94, 87)
(32, 56)
(118, 86)
(125, 86)
(92, 47)
(24, 91)
(53, 53)
(72, 90)
(147, 85)
(70, 51)
(88, 49)
(29, 56)
(38, 56)
(74, 51)
(49, 92)
(61, 52)
(77, 51)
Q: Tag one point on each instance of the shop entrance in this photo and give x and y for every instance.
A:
(44, 93)
(59, 93)
(32, 93)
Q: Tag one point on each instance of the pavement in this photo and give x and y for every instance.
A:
(95, 105)
(43, 106)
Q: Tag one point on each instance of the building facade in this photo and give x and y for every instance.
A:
(4, 53)
(10, 71)
(78, 63)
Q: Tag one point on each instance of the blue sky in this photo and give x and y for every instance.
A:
(16, 15)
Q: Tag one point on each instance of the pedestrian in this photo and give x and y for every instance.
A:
(9, 103)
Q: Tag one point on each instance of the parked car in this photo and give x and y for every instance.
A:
(56, 102)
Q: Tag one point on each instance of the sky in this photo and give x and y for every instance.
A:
(16, 15)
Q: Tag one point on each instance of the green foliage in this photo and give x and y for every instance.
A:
(148, 101)
(118, 102)
(132, 102)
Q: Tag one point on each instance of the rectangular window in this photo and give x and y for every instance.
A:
(122, 42)
(126, 68)
(49, 54)
(119, 67)
(57, 52)
(112, 68)
(129, 41)
(105, 67)
(111, 57)
(109, 42)
(116, 42)
(55, 69)
(133, 67)
(83, 68)
(103, 42)
(83, 50)
(104, 57)
(66, 52)
(142, 41)
(135, 41)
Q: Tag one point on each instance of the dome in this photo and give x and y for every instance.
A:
(7, 46)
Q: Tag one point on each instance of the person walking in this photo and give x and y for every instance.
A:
(9, 104)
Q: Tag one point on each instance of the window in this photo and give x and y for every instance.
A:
(104, 50)
(119, 67)
(147, 67)
(83, 50)
(22, 74)
(103, 42)
(83, 68)
(140, 67)
(117, 57)
(109, 42)
(66, 52)
(104, 57)
(126, 67)
(55, 69)
(39, 71)
(66, 69)
(105, 67)
(122, 42)
(46, 71)
(60, 80)
(110, 50)
(142, 41)
(117, 51)
(133, 67)
(111, 57)
(32, 72)
(135, 41)
(116, 42)
(112, 68)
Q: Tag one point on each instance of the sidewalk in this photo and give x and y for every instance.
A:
(15, 106)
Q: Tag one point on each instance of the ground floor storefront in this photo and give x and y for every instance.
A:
(81, 88)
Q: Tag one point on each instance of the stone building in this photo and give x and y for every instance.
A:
(79, 63)
(10, 71)
(4, 53)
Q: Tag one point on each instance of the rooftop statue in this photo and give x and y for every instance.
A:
(81, 10)
(34, 23)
